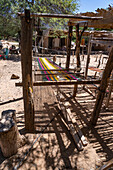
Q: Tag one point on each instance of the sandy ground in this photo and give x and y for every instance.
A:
(56, 149)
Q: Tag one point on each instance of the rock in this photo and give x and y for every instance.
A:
(88, 159)
(14, 76)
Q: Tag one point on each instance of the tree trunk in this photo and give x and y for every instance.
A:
(10, 138)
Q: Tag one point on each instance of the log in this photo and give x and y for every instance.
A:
(102, 88)
(48, 15)
(10, 138)
(26, 62)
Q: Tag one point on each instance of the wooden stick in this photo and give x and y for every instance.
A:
(62, 73)
(72, 82)
(88, 91)
(56, 69)
(61, 16)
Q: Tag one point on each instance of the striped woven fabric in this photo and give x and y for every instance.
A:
(46, 63)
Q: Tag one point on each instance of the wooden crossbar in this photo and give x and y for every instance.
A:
(62, 16)
(72, 82)
(39, 74)
(56, 69)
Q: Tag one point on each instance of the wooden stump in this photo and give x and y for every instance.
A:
(10, 138)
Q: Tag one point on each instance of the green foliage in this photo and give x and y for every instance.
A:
(10, 22)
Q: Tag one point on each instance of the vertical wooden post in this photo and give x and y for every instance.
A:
(88, 56)
(102, 89)
(75, 90)
(78, 40)
(69, 45)
(26, 62)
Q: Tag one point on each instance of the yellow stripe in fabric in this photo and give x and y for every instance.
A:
(45, 66)
(55, 78)
(66, 76)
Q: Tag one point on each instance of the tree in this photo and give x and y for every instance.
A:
(9, 8)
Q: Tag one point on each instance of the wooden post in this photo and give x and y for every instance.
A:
(75, 90)
(110, 90)
(78, 46)
(69, 45)
(102, 89)
(78, 41)
(88, 56)
(26, 62)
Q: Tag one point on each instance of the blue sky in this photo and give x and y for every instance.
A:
(92, 5)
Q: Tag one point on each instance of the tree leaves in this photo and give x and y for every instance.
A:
(10, 23)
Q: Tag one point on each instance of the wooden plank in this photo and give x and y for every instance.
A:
(69, 125)
(77, 128)
(75, 137)
(102, 88)
(95, 69)
(105, 42)
(72, 82)
(26, 62)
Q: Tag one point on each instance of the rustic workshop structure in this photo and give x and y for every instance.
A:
(95, 21)
(26, 60)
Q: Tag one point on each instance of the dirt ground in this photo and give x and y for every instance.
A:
(56, 149)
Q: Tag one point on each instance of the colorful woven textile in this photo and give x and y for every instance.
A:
(46, 63)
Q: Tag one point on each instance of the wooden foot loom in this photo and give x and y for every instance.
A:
(52, 74)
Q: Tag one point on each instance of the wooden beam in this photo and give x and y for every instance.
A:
(102, 89)
(58, 73)
(103, 42)
(69, 46)
(70, 69)
(26, 62)
(47, 15)
(72, 82)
